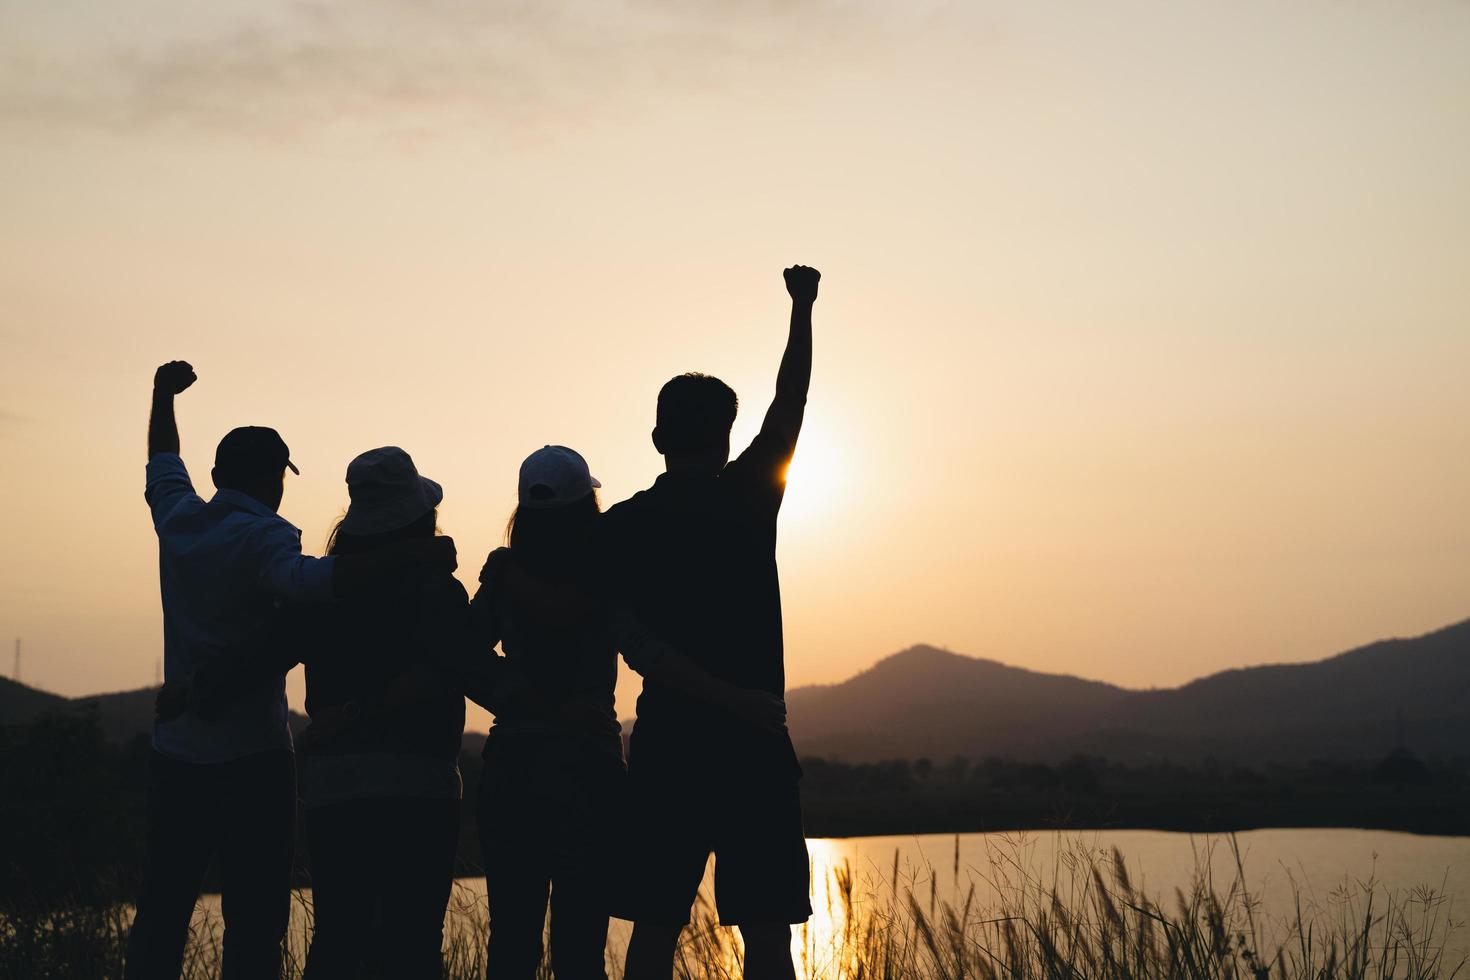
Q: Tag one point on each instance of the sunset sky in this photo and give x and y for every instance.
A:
(1143, 348)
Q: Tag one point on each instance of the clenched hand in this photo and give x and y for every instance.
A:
(801, 283)
(174, 377)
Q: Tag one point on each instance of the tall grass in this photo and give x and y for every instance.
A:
(1086, 920)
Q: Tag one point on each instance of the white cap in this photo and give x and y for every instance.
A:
(387, 492)
(554, 476)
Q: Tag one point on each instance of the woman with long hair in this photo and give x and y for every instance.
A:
(379, 764)
(549, 802)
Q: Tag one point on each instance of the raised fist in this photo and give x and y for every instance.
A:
(801, 283)
(174, 377)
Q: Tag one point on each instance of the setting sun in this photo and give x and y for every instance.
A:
(815, 478)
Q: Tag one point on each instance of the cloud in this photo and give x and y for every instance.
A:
(414, 64)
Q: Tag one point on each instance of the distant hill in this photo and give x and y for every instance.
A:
(21, 703)
(929, 702)
(1357, 705)
(926, 702)
(121, 714)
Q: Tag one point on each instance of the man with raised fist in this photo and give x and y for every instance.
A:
(697, 556)
(226, 785)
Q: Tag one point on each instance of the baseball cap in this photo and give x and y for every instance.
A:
(252, 451)
(554, 476)
(387, 492)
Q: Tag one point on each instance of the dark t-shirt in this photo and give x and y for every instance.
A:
(694, 558)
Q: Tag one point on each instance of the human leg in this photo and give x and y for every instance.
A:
(258, 818)
(762, 871)
(180, 838)
(517, 878)
(767, 951)
(417, 840)
(344, 890)
(588, 808)
(651, 950)
(669, 841)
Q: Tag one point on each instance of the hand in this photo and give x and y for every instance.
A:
(801, 283)
(173, 377)
(172, 700)
(758, 708)
(494, 566)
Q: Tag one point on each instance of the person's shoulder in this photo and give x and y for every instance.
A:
(261, 526)
(766, 451)
(167, 482)
(759, 473)
(631, 505)
(625, 511)
(265, 537)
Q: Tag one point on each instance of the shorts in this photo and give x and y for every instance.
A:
(684, 806)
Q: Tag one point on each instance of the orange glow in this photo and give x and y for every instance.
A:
(1140, 350)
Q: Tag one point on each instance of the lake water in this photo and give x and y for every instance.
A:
(1328, 872)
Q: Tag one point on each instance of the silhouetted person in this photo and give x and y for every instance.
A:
(379, 764)
(550, 798)
(226, 787)
(698, 555)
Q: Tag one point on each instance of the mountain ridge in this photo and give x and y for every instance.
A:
(926, 701)
(1352, 704)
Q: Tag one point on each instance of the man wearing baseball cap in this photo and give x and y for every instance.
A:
(226, 786)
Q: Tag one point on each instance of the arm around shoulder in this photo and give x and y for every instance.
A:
(285, 572)
(288, 574)
(660, 662)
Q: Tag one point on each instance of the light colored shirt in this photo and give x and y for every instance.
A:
(223, 565)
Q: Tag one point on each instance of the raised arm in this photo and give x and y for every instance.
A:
(783, 419)
(352, 574)
(168, 381)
